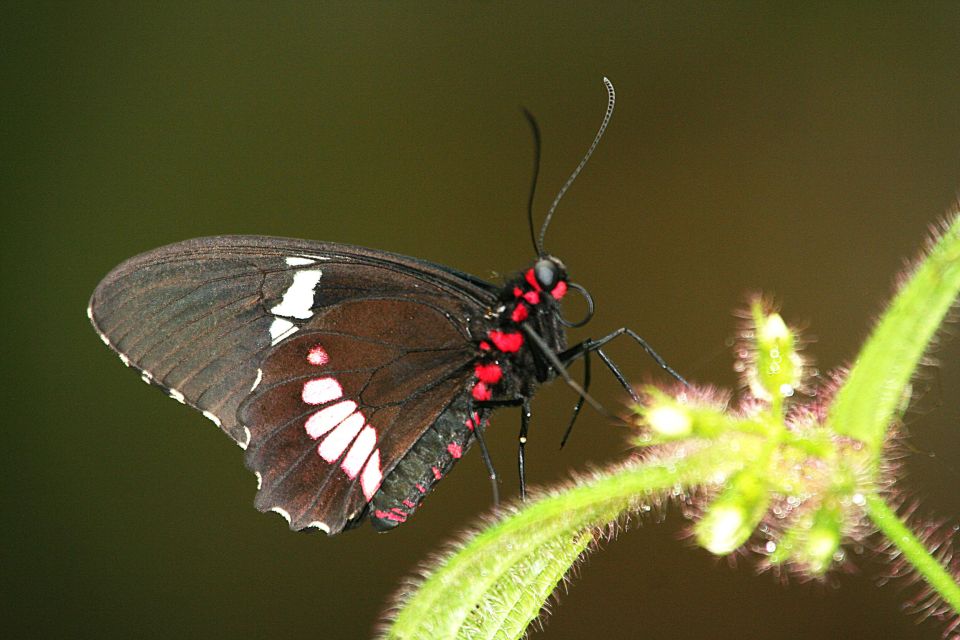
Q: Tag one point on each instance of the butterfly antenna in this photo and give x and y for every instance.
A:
(535, 129)
(611, 100)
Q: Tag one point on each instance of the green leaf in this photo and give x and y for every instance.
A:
(867, 403)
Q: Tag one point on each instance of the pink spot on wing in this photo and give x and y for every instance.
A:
(390, 515)
(559, 291)
(455, 450)
(436, 473)
(318, 356)
(371, 476)
(321, 390)
(359, 452)
(408, 504)
(325, 419)
(421, 488)
(340, 438)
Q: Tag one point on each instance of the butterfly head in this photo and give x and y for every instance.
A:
(548, 274)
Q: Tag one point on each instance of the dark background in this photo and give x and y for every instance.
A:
(802, 152)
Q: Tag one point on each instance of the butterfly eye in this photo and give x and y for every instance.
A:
(546, 273)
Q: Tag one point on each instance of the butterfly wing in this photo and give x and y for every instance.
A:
(261, 334)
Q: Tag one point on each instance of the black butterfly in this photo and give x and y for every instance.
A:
(353, 378)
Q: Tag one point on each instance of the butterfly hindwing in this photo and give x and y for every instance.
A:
(334, 412)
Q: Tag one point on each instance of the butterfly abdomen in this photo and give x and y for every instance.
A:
(429, 461)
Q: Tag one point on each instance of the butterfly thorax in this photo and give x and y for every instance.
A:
(507, 363)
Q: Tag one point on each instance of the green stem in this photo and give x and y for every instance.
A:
(491, 577)
(913, 550)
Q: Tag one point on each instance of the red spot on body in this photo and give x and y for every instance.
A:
(488, 373)
(532, 279)
(559, 291)
(390, 515)
(520, 313)
(532, 297)
(408, 504)
(420, 488)
(484, 346)
(472, 422)
(481, 392)
(506, 341)
(517, 292)
(318, 356)
(455, 450)
(436, 473)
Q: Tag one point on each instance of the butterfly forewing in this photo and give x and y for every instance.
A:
(272, 327)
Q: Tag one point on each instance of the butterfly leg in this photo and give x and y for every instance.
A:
(524, 403)
(485, 454)
(588, 346)
(595, 345)
(521, 455)
(556, 361)
(577, 407)
(622, 379)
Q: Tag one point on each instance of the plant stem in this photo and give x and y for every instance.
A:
(913, 550)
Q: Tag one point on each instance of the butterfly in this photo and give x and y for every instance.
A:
(354, 379)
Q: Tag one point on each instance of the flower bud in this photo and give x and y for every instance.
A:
(669, 420)
(776, 370)
(732, 517)
(823, 539)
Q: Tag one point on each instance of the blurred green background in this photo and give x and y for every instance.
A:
(802, 151)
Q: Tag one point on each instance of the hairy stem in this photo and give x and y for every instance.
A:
(913, 550)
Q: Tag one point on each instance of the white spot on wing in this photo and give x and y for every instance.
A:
(212, 418)
(146, 377)
(246, 439)
(90, 312)
(176, 395)
(125, 360)
(321, 390)
(282, 512)
(103, 337)
(296, 261)
(316, 524)
(359, 452)
(259, 480)
(325, 419)
(256, 383)
(280, 329)
(297, 301)
(340, 438)
(371, 476)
